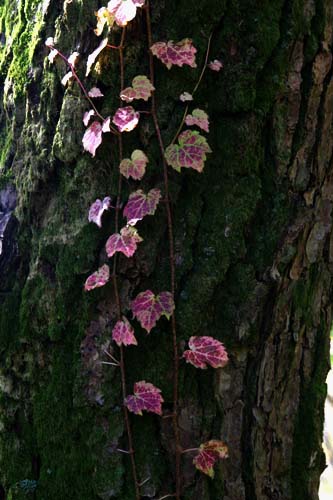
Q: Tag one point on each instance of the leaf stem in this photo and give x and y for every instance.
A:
(115, 285)
(172, 264)
(195, 89)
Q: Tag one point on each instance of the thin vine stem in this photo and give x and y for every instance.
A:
(176, 430)
(115, 285)
(195, 89)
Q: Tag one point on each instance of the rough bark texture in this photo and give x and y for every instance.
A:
(254, 255)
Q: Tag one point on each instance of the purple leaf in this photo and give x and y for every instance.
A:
(92, 137)
(148, 308)
(206, 351)
(208, 454)
(134, 167)
(123, 333)
(98, 278)
(125, 242)
(97, 209)
(140, 204)
(198, 118)
(146, 397)
(126, 119)
(178, 54)
(141, 89)
(190, 152)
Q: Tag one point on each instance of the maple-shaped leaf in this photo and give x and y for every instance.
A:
(140, 204)
(141, 89)
(125, 242)
(178, 54)
(198, 118)
(93, 56)
(97, 209)
(215, 65)
(124, 10)
(134, 167)
(92, 137)
(146, 397)
(104, 17)
(190, 152)
(123, 333)
(98, 278)
(208, 454)
(148, 308)
(126, 119)
(206, 351)
(186, 96)
(95, 92)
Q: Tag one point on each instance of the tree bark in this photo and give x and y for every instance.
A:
(253, 244)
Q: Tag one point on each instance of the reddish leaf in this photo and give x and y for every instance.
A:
(206, 351)
(106, 125)
(98, 279)
(125, 242)
(148, 308)
(126, 119)
(146, 397)
(123, 333)
(189, 153)
(179, 53)
(93, 56)
(186, 96)
(104, 17)
(97, 209)
(87, 115)
(208, 454)
(140, 204)
(124, 10)
(141, 89)
(134, 167)
(198, 118)
(215, 65)
(92, 137)
(95, 92)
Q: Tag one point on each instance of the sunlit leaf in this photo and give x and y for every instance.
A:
(209, 453)
(123, 333)
(198, 118)
(148, 308)
(73, 59)
(95, 92)
(87, 115)
(52, 55)
(104, 17)
(93, 56)
(97, 209)
(141, 89)
(125, 242)
(126, 119)
(92, 137)
(66, 78)
(124, 10)
(146, 397)
(49, 42)
(215, 65)
(190, 152)
(98, 279)
(186, 96)
(134, 167)
(206, 351)
(140, 204)
(178, 54)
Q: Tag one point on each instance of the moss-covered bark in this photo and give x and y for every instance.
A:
(253, 254)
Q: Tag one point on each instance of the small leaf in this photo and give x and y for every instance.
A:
(95, 92)
(92, 137)
(66, 78)
(141, 89)
(178, 54)
(123, 333)
(106, 125)
(87, 115)
(98, 278)
(124, 10)
(73, 59)
(126, 119)
(49, 42)
(215, 65)
(206, 351)
(186, 96)
(140, 204)
(93, 56)
(125, 242)
(198, 118)
(52, 55)
(97, 209)
(148, 308)
(104, 17)
(189, 153)
(134, 167)
(208, 454)
(146, 397)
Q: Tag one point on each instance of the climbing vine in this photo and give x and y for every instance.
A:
(188, 149)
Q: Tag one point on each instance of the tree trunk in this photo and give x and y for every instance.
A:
(253, 244)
